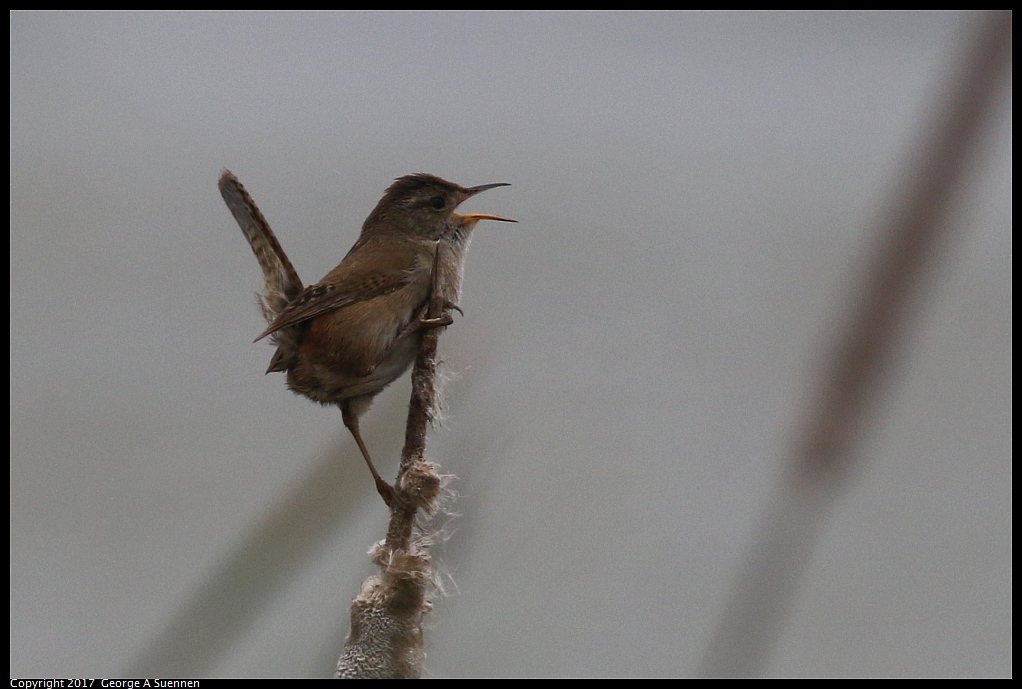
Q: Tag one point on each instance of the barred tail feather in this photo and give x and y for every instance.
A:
(282, 283)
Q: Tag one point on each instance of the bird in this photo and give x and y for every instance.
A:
(344, 339)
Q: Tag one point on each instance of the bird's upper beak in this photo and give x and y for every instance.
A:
(476, 217)
(472, 191)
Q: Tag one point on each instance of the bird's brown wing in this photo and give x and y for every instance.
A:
(282, 283)
(358, 278)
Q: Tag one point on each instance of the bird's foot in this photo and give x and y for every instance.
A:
(438, 322)
(386, 492)
(423, 323)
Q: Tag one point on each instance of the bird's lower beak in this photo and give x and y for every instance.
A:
(476, 217)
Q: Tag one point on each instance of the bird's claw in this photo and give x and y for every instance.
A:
(438, 322)
(387, 492)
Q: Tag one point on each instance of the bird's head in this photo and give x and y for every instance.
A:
(425, 206)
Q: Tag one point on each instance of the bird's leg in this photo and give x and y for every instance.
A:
(419, 322)
(385, 490)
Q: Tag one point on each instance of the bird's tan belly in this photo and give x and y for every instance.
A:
(326, 384)
(342, 358)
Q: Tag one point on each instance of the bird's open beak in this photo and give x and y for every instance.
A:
(476, 217)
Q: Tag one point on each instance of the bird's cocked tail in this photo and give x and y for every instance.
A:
(281, 283)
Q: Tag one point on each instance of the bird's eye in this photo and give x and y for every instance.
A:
(437, 202)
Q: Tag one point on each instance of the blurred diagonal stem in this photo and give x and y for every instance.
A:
(825, 440)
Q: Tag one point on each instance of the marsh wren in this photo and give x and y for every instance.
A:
(353, 333)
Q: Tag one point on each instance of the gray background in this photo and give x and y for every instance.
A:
(695, 195)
